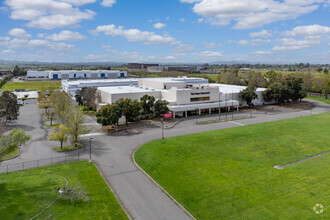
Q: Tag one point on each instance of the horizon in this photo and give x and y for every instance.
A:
(166, 32)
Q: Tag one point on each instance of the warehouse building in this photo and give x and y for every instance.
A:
(185, 69)
(185, 98)
(76, 74)
(71, 86)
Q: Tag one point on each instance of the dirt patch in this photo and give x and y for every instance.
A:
(288, 106)
(279, 167)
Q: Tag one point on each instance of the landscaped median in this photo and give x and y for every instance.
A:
(26, 193)
(230, 174)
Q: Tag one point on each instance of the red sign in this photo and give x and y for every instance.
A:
(168, 115)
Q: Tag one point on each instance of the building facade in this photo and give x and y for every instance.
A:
(76, 74)
(140, 66)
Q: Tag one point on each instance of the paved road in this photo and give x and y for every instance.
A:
(142, 198)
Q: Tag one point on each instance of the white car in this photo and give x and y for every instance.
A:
(20, 102)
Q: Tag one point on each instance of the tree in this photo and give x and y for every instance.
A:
(61, 103)
(161, 107)
(74, 122)
(14, 139)
(9, 109)
(270, 77)
(295, 86)
(130, 109)
(59, 134)
(248, 94)
(147, 103)
(109, 114)
(86, 97)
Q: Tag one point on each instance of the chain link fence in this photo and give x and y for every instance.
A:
(38, 163)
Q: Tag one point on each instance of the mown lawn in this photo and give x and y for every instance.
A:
(11, 86)
(321, 99)
(24, 193)
(229, 174)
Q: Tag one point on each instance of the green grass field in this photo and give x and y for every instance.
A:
(321, 99)
(11, 86)
(24, 193)
(229, 174)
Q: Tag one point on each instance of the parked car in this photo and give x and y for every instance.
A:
(20, 102)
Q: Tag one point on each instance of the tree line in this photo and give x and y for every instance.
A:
(132, 110)
(60, 104)
(5, 79)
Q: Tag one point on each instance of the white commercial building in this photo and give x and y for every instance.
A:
(71, 86)
(184, 96)
(76, 74)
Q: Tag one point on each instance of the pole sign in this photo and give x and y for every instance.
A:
(168, 115)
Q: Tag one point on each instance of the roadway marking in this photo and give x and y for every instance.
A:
(91, 134)
(236, 123)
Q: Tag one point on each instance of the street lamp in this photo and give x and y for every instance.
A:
(162, 127)
(90, 149)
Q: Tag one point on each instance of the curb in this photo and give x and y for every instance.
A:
(159, 186)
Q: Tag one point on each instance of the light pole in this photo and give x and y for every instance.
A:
(219, 107)
(90, 149)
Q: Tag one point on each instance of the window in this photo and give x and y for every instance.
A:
(74, 75)
(199, 99)
(102, 75)
(85, 75)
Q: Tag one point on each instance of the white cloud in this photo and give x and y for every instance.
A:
(263, 33)
(4, 38)
(169, 58)
(243, 42)
(262, 53)
(182, 49)
(254, 42)
(293, 44)
(200, 20)
(67, 36)
(252, 13)
(47, 14)
(167, 18)
(209, 45)
(182, 20)
(108, 3)
(6, 52)
(19, 33)
(79, 2)
(36, 44)
(308, 30)
(159, 25)
(135, 35)
(209, 54)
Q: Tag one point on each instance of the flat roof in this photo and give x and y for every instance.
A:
(125, 89)
(226, 88)
(172, 79)
(92, 81)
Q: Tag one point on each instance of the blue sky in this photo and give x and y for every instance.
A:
(185, 31)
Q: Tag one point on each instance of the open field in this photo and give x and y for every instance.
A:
(321, 99)
(11, 86)
(229, 174)
(24, 193)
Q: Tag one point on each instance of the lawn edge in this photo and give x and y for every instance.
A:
(128, 214)
(159, 186)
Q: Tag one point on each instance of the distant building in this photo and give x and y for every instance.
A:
(5, 72)
(185, 69)
(76, 74)
(139, 66)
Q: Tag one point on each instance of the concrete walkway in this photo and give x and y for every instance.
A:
(140, 197)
